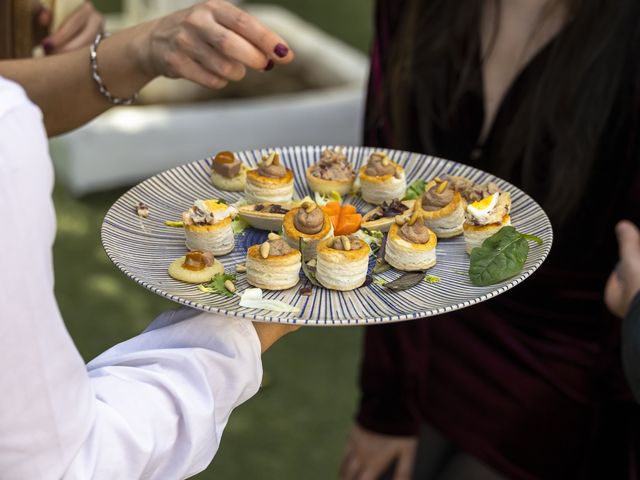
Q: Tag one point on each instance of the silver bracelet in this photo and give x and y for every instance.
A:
(93, 57)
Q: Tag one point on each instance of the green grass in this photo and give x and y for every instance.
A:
(295, 427)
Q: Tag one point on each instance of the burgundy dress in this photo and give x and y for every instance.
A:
(531, 382)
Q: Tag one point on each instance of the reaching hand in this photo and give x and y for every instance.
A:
(78, 30)
(369, 454)
(211, 44)
(624, 281)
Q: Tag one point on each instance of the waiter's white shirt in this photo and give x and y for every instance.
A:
(152, 407)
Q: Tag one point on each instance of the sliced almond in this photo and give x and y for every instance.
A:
(310, 208)
(241, 268)
(429, 185)
(398, 173)
(385, 161)
(346, 243)
(417, 214)
(228, 284)
(264, 250)
(312, 263)
(401, 220)
(276, 158)
(441, 188)
(273, 236)
(267, 161)
(438, 179)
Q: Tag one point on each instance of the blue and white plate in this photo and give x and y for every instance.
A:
(144, 248)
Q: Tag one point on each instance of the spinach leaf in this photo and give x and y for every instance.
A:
(500, 257)
(415, 190)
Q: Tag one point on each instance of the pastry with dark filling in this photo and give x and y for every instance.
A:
(382, 180)
(342, 262)
(443, 208)
(271, 182)
(411, 245)
(308, 223)
(273, 265)
(332, 173)
(207, 227)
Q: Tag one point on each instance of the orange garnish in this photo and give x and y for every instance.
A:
(344, 218)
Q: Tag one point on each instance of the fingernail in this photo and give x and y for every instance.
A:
(281, 50)
(269, 66)
(48, 47)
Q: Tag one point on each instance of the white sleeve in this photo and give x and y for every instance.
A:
(152, 407)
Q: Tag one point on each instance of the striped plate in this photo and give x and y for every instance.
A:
(143, 248)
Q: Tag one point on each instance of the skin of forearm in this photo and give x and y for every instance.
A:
(62, 85)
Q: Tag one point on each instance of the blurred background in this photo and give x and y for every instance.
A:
(296, 426)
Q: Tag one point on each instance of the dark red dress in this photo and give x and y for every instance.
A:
(531, 382)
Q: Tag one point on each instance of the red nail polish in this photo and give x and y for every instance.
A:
(281, 50)
(269, 66)
(48, 47)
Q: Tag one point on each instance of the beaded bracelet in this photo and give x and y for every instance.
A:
(93, 57)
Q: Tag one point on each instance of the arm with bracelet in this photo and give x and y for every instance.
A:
(211, 43)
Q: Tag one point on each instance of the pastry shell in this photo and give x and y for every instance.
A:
(325, 187)
(217, 238)
(447, 222)
(340, 269)
(408, 256)
(292, 235)
(474, 235)
(268, 189)
(377, 189)
(275, 272)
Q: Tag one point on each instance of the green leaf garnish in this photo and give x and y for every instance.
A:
(239, 225)
(216, 285)
(174, 224)
(415, 190)
(500, 257)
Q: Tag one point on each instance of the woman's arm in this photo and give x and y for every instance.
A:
(211, 44)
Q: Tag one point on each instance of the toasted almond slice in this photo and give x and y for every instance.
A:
(442, 186)
(401, 220)
(264, 250)
(228, 284)
(310, 208)
(273, 236)
(429, 185)
(346, 243)
(241, 268)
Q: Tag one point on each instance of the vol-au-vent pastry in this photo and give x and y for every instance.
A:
(195, 267)
(342, 262)
(273, 265)
(228, 173)
(485, 217)
(207, 226)
(332, 173)
(270, 182)
(382, 180)
(443, 208)
(411, 245)
(309, 223)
